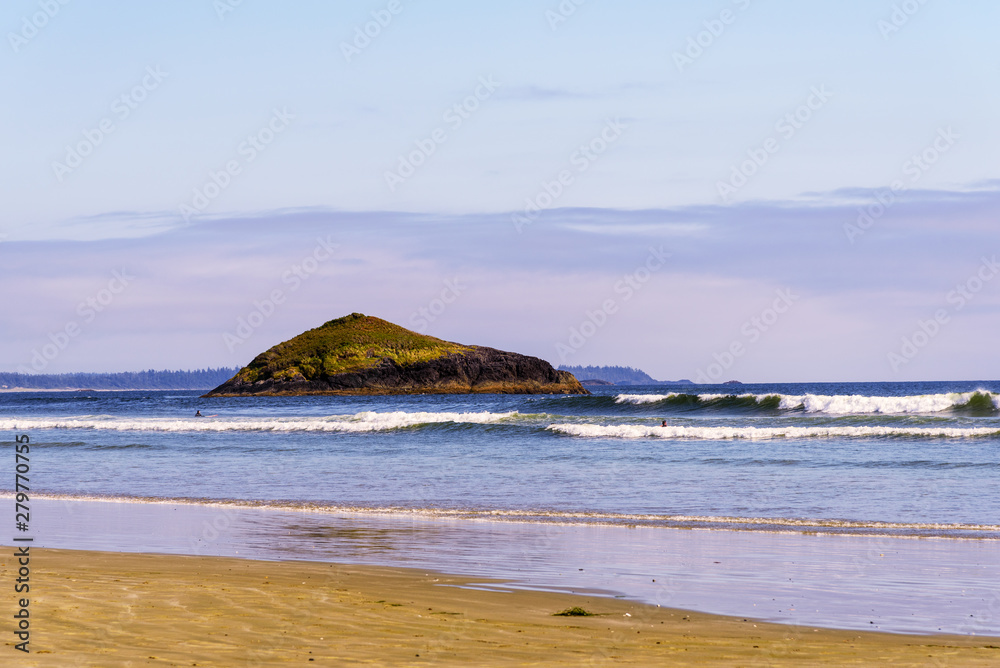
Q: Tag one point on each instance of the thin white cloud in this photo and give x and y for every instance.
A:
(524, 291)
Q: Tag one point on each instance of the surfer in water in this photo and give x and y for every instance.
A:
(198, 414)
(664, 424)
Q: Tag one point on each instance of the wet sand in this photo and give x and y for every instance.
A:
(114, 609)
(865, 583)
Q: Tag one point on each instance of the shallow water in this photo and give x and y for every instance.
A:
(760, 452)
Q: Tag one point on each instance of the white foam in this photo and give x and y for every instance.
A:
(643, 398)
(840, 404)
(360, 422)
(855, 404)
(763, 433)
(507, 514)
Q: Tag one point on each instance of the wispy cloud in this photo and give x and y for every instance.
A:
(194, 281)
(543, 93)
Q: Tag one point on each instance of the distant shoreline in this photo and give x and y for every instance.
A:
(107, 389)
(149, 380)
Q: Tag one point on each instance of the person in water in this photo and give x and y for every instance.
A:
(664, 424)
(198, 414)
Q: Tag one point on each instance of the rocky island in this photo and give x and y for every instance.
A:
(360, 354)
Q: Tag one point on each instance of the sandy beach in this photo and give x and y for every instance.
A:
(112, 609)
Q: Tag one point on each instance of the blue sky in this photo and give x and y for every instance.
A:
(509, 169)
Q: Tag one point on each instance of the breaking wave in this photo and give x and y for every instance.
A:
(978, 401)
(764, 433)
(360, 422)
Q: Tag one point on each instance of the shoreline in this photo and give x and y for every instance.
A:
(108, 608)
(828, 581)
(551, 517)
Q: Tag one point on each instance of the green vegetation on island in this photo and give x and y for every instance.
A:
(360, 354)
(346, 345)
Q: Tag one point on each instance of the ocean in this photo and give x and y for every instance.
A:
(835, 473)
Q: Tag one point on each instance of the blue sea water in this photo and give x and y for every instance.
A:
(877, 458)
(860, 505)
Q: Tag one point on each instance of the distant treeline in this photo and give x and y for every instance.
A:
(199, 379)
(619, 375)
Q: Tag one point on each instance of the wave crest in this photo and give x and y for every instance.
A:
(360, 422)
(764, 433)
(554, 516)
(841, 404)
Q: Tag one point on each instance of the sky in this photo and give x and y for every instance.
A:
(762, 190)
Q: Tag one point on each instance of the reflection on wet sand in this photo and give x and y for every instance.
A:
(884, 583)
